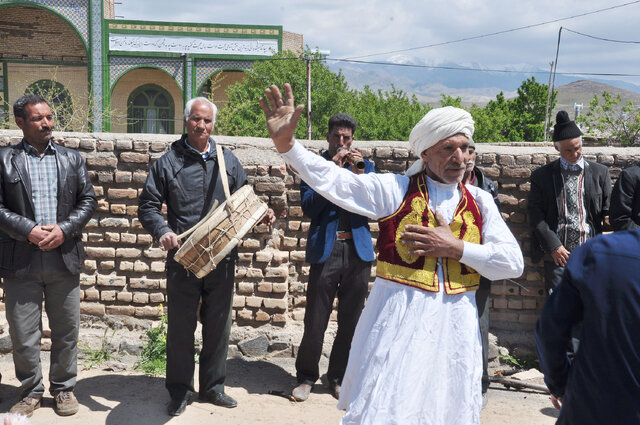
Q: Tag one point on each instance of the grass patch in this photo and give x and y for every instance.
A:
(153, 359)
(521, 362)
(95, 357)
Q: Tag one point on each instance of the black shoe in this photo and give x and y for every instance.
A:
(177, 405)
(219, 399)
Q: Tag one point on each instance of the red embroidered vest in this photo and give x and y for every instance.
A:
(396, 264)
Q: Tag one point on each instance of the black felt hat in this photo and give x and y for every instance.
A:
(565, 128)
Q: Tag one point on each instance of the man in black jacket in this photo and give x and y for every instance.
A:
(188, 181)
(474, 176)
(625, 200)
(568, 203)
(46, 198)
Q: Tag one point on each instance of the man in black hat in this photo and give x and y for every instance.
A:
(568, 202)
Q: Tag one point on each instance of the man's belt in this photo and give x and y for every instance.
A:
(344, 235)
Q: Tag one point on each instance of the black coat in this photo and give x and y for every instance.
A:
(76, 204)
(601, 289)
(625, 200)
(188, 185)
(545, 203)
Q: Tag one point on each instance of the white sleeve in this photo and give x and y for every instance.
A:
(499, 256)
(371, 195)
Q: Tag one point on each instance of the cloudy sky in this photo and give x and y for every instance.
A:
(396, 30)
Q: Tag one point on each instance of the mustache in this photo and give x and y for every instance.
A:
(46, 129)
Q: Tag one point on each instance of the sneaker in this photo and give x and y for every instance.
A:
(26, 406)
(301, 392)
(66, 403)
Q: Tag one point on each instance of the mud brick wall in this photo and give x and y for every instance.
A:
(124, 270)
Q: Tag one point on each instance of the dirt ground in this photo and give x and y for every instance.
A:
(126, 397)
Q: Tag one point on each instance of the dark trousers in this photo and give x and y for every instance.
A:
(482, 303)
(48, 277)
(346, 275)
(185, 292)
(552, 278)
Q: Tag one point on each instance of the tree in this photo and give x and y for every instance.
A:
(388, 115)
(329, 95)
(619, 122)
(520, 118)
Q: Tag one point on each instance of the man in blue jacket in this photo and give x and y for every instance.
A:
(340, 251)
(601, 288)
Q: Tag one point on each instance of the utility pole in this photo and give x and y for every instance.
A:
(555, 68)
(308, 59)
(546, 111)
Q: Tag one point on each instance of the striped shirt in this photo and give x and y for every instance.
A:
(43, 171)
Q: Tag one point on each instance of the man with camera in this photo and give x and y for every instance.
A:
(340, 251)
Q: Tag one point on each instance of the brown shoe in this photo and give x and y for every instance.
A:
(26, 406)
(66, 403)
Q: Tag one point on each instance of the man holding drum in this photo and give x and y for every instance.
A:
(188, 181)
(340, 251)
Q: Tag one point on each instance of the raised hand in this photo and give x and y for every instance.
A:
(282, 116)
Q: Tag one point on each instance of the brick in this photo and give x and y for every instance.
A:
(238, 301)
(127, 238)
(245, 288)
(92, 309)
(143, 283)
(276, 272)
(90, 266)
(294, 225)
(289, 243)
(514, 304)
(120, 310)
(500, 303)
(157, 266)
(156, 297)
(91, 294)
(126, 266)
(118, 209)
(255, 302)
(140, 266)
(128, 253)
(146, 311)
(154, 253)
(264, 256)
(88, 144)
(123, 177)
(295, 211)
(122, 193)
(140, 146)
(138, 158)
(298, 255)
(262, 316)
(107, 265)
(112, 236)
(265, 287)
(279, 319)
(245, 314)
(114, 222)
(125, 297)
(98, 253)
(111, 280)
(140, 298)
(516, 173)
(280, 287)
(275, 304)
(108, 295)
(139, 176)
(145, 239)
(103, 205)
(383, 152)
(102, 161)
(254, 273)
(251, 243)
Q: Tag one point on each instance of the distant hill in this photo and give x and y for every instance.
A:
(581, 92)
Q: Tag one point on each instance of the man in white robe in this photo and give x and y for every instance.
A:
(416, 354)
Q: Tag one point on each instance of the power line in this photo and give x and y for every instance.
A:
(601, 38)
(496, 33)
(156, 62)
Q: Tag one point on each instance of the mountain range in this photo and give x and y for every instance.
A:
(428, 84)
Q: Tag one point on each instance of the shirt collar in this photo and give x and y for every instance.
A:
(51, 148)
(578, 166)
(204, 155)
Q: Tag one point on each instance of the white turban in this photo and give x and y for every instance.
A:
(438, 124)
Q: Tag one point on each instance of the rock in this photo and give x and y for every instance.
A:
(5, 344)
(255, 347)
(528, 375)
(131, 347)
(114, 366)
(279, 346)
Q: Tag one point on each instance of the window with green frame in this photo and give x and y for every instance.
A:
(150, 109)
